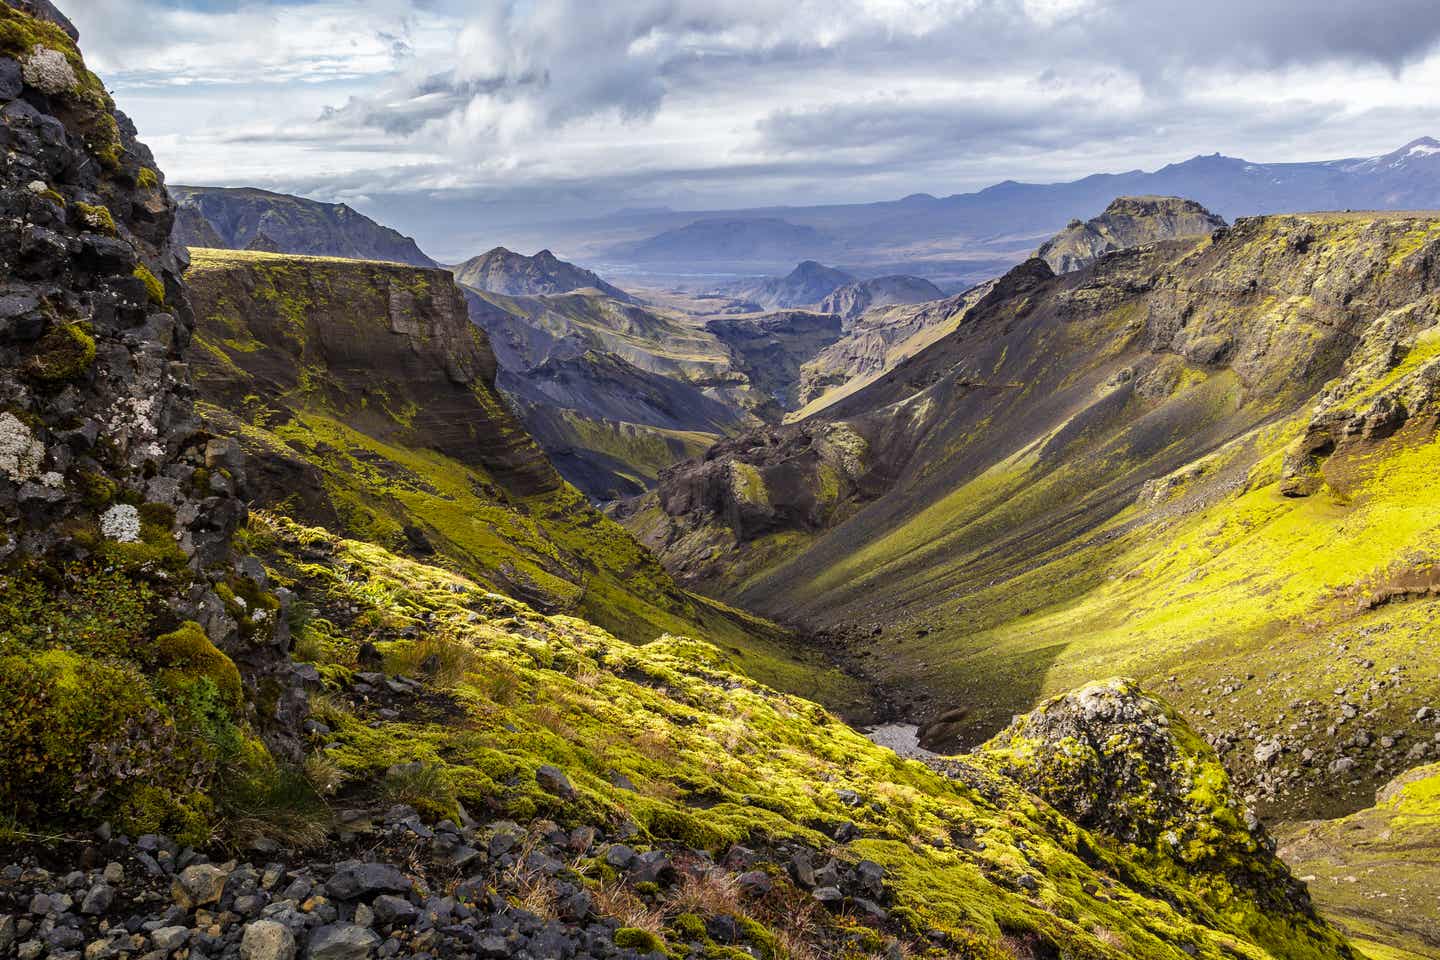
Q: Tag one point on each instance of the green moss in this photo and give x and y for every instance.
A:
(186, 655)
(154, 289)
(633, 938)
(64, 353)
(96, 218)
(147, 179)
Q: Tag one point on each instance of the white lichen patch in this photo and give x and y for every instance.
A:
(121, 523)
(48, 71)
(53, 480)
(20, 453)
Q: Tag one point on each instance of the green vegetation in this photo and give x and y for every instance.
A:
(64, 353)
(154, 289)
(96, 218)
(668, 736)
(106, 716)
(1373, 872)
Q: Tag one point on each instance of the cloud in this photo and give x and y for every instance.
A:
(736, 102)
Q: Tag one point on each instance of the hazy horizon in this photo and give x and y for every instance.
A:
(437, 113)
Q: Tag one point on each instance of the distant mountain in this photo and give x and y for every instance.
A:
(739, 240)
(516, 275)
(805, 286)
(960, 240)
(244, 218)
(1127, 222)
(854, 299)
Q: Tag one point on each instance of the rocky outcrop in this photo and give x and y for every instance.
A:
(877, 341)
(244, 218)
(123, 614)
(854, 299)
(770, 350)
(516, 275)
(1124, 765)
(805, 286)
(1127, 222)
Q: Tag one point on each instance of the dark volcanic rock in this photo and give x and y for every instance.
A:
(243, 218)
(514, 274)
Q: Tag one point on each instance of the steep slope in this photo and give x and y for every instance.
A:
(769, 350)
(612, 390)
(854, 299)
(1375, 871)
(1127, 222)
(243, 218)
(529, 716)
(365, 402)
(1124, 468)
(516, 275)
(876, 342)
(805, 286)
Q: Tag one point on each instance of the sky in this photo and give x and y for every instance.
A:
(520, 111)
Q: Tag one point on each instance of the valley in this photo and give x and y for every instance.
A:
(1042, 572)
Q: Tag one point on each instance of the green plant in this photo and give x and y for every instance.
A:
(65, 352)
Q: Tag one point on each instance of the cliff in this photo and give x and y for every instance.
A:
(244, 218)
(1126, 222)
(125, 619)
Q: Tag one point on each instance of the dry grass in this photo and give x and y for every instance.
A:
(616, 900)
(709, 894)
(443, 661)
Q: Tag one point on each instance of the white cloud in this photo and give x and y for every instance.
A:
(699, 102)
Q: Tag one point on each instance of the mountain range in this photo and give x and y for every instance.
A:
(959, 240)
(1103, 591)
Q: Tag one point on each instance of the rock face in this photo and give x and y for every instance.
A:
(243, 218)
(516, 275)
(1127, 222)
(395, 345)
(854, 299)
(805, 286)
(770, 349)
(877, 341)
(117, 509)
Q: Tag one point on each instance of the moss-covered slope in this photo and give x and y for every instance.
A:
(366, 402)
(1376, 872)
(1199, 463)
(669, 737)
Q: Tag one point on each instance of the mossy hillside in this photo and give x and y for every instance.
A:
(1119, 508)
(715, 759)
(351, 361)
(111, 709)
(1374, 872)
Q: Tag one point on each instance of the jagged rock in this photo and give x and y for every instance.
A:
(553, 779)
(1127, 222)
(199, 885)
(267, 940)
(353, 880)
(342, 941)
